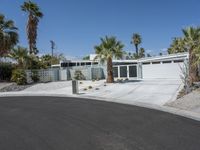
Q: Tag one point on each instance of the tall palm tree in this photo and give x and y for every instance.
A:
(136, 40)
(20, 54)
(8, 35)
(108, 49)
(192, 42)
(34, 14)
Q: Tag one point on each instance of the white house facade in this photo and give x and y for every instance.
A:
(159, 67)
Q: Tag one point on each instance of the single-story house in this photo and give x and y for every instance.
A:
(165, 67)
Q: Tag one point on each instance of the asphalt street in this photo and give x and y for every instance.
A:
(51, 123)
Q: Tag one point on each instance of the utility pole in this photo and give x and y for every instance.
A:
(52, 50)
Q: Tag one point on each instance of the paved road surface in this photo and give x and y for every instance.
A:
(49, 123)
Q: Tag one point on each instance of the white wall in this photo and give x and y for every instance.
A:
(164, 71)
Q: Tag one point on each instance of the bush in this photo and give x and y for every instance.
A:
(34, 76)
(19, 76)
(5, 71)
(78, 75)
(89, 87)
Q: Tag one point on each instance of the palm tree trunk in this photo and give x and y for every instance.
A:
(110, 78)
(193, 68)
(136, 49)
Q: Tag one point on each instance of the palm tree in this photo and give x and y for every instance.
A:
(108, 49)
(141, 53)
(8, 35)
(136, 40)
(20, 54)
(34, 14)
(53, 44)
(192, 42)
(177, 46)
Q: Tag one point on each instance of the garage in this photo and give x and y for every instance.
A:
(164, 67)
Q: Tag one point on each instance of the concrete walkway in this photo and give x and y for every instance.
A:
(156, 92)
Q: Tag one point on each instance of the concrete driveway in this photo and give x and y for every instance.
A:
(146, 91)
(157, 92)
(52, 123)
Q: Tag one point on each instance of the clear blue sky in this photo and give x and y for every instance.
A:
(77, 25)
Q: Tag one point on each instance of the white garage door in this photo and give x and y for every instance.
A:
(162, 70)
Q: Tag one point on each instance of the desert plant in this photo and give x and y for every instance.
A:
(90, 87)
(78, 75)
(19, 76)
(85, 89)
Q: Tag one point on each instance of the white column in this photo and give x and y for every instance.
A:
(118, 71)
(127, 72)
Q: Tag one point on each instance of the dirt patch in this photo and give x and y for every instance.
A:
(189, 102)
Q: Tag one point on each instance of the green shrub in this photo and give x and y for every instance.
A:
(5, 71)
(89, 87)
(34, 76)
(78, 75)
(85, 89)
(19, 76)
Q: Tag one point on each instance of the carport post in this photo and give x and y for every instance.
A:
(74, 87)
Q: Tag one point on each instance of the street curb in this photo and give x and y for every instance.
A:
(168, 109)
(172, 110)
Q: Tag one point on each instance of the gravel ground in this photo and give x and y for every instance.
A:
(15, 87)
(189, 102)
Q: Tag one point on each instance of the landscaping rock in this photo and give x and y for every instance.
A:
(15, 87)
